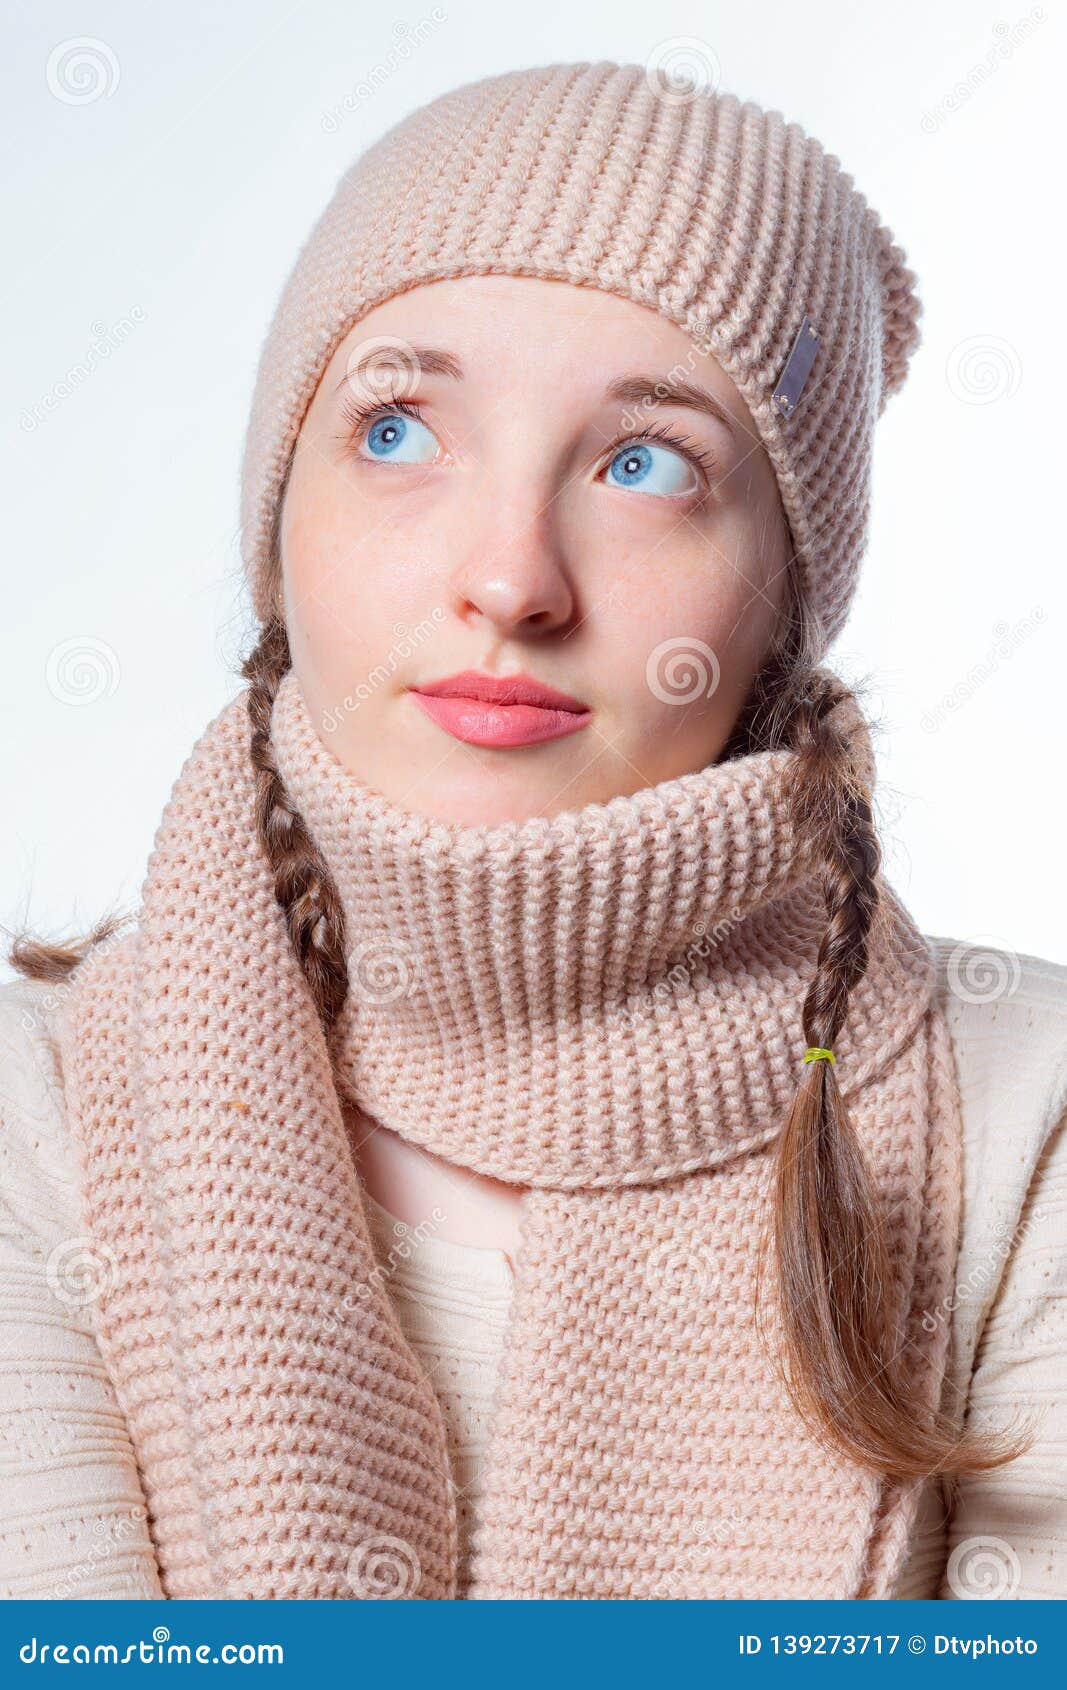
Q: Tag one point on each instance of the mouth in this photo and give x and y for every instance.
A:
(495, 710)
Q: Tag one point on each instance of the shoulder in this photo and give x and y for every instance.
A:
(29, 1023)
(36, 1153)
(1006, 1013)
(985, 987)
(39, 1174)
(1007, 1016)
(73, 1521)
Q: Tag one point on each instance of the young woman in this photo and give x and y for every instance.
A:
(523, 1146)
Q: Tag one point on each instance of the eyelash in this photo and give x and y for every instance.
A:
(356, 414)
(689, 448)
(359, 415)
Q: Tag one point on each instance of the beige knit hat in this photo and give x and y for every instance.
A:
(727, 220)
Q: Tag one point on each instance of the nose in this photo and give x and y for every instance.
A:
(515, 576)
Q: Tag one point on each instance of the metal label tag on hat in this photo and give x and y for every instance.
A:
(797, 367)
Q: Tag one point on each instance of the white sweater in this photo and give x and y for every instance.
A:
(72, 1518)
(453, 1301)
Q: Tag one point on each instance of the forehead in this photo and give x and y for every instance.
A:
(504, 332)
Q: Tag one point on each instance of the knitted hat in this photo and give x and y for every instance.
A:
(719, 215)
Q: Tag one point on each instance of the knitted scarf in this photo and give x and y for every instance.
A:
(603, 1006)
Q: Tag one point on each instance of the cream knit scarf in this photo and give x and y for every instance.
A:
(604, 1006)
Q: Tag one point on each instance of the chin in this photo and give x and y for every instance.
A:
(479, 796)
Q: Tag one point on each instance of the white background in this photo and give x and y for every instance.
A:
(150, 229)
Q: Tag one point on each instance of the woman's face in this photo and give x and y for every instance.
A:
(525, 513)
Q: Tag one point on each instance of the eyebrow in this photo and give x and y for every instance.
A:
(412, 361)
(629, 390)
(658, 390)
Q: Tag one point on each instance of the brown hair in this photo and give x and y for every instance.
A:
(844, 1373)
(845, 1370)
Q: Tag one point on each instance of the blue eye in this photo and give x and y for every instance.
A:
(652, 469)
(401, 439)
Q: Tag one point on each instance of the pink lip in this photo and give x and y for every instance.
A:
(500, 710)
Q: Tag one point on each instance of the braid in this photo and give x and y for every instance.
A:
(829, 803)
(845, 1371)
(839, 1360)
(302, 882)
(841, 1363)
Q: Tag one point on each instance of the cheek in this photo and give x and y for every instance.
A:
(328, 613)
(334, 562)
(317, 536)
(689, 593)
(348, 553)
(355, 586)
(682, 632)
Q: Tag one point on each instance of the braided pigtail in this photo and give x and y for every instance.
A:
(845, 1370)
(303, 884)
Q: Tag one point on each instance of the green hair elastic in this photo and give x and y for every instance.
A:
(814, 1052)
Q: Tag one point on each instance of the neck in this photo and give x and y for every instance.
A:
(609, 995)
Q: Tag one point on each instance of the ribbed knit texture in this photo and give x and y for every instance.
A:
(72, 1518)
(600, 1003)
(505, 982)
(719, 215)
